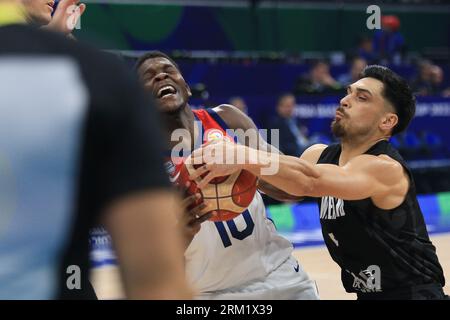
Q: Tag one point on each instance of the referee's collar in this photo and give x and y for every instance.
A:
(11, 13)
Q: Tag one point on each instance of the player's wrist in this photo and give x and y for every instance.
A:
(256, 160)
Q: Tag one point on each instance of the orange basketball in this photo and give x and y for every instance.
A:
(229, 196)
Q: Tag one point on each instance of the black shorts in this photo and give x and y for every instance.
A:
(422, 292)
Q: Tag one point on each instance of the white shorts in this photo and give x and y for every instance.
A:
(288, 282)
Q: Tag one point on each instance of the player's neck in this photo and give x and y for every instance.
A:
(179, 119)
(351, 148)
(183, 118)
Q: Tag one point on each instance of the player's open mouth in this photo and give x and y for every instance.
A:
(166, 91)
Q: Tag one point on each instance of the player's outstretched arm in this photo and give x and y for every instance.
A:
(222, 158)
(365, 176)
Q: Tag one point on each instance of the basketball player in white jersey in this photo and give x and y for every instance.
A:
(243, 258)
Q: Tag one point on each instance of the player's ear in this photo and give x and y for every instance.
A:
(389, 121)
(188, 89)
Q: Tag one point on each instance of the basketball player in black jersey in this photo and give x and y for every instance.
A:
(371, 220)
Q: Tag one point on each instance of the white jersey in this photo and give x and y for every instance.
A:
(236, 252)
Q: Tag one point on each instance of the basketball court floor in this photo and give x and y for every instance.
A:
(315, 260)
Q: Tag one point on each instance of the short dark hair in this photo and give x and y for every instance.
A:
(395, 90)
(152, 55)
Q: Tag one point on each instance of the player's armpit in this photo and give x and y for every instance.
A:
(149, 245)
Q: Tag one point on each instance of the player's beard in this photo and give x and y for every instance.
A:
(338, 129)
(350, 134)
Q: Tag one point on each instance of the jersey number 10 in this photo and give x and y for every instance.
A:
(235, 233)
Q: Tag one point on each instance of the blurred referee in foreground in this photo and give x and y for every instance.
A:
(78, 146)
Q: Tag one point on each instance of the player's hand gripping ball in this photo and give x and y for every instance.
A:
(228, 195)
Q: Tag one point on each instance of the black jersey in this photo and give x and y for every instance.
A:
(378, 250)
(76, 133)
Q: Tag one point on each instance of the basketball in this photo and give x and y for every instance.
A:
(229, 195)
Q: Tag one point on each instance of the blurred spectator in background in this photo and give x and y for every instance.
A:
(199, 91)
(365, 49)
(388, 43)
(317, 81)
(421, 145)
(239, 103)
(430, 80)
(293, 137)
(421, 85)
(437, 82)
(358, 65)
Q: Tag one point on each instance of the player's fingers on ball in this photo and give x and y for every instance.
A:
(205, 210)
(197, 155)
(206, 216)
(196, 173)
(190, 200)
(187, 201)
(206, 180)
(199, 171)
(198, 210)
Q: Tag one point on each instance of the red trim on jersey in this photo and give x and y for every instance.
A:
(209, 124)
(210, 130)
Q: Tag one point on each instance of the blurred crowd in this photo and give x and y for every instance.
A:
(294, 135)
(428, 81)
(386, 46)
